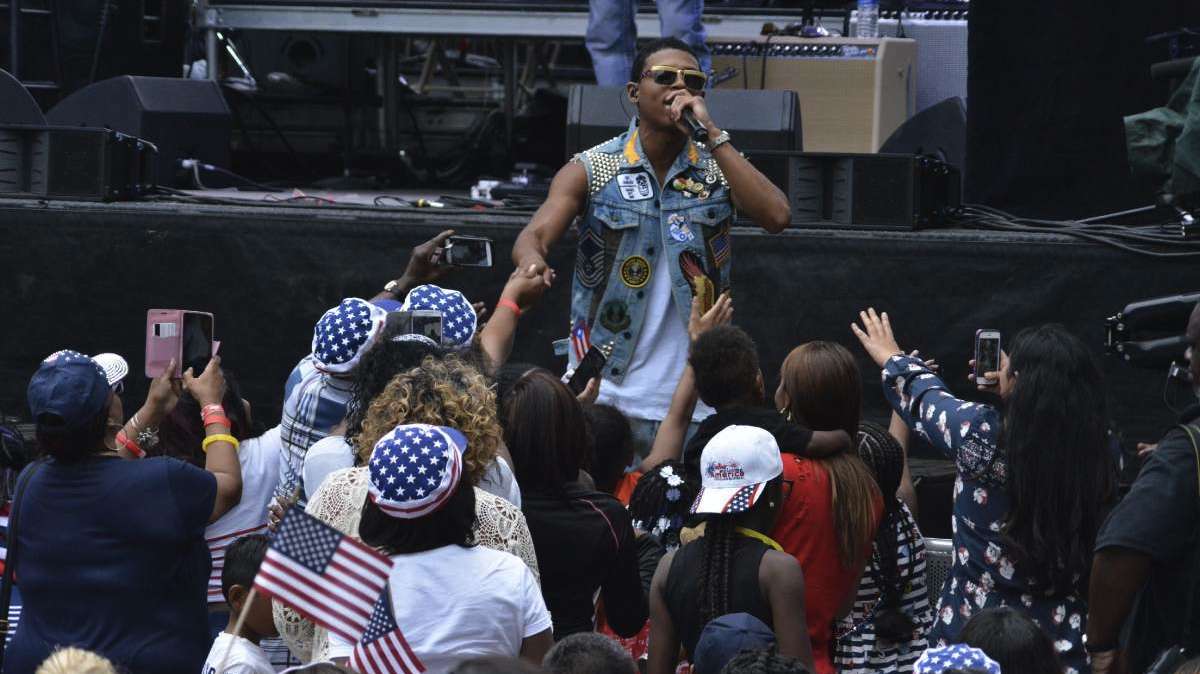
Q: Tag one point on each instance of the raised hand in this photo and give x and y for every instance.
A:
(209, 387)
(721, 313)
(876, 336)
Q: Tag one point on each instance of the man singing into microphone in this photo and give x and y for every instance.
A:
(654, 212)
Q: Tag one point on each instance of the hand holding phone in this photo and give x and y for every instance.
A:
(588, 368)
(987, 356)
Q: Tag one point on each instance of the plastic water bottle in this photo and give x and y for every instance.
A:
(868, 18)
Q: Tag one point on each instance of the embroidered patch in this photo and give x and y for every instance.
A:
(635, 271)
(614, 316)
(680, 228)
(718, 245)
(702, 286)
(589, 258)
(635, 186)
(725, 471)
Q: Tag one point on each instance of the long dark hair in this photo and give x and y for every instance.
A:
(181, 433)
(452, 524)
(1061, 475)
(717, 565)
(824, 389)
(545, 431)
(1014, 641)
(884, 457)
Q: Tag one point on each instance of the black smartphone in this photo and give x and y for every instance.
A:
(987, 354)
(197, 341)
(468, 251)
(588, 369)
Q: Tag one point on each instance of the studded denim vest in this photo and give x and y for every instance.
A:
(629, 220)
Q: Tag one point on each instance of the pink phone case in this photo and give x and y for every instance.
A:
(164, 340)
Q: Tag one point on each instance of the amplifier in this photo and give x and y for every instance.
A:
(864, 191)
(853, 92)
(74, 163)
(757, 120)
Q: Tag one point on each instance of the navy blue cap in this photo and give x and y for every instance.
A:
(70, 385)
(388, 305)
(724, 638)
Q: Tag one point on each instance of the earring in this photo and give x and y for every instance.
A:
(771, 504)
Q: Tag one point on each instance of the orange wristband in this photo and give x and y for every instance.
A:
(509, 304)
(132, 446)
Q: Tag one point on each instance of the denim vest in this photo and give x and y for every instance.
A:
(629, 220)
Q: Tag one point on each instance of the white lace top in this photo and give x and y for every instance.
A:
(498, 525)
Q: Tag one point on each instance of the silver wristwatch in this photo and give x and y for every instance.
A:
(717, 142)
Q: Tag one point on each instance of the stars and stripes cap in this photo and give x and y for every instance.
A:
(415, 469)
(458, 316)
(735, 467)
(71, 386)
(958, 656)
(344, 334)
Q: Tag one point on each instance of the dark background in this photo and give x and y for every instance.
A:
(83, 275)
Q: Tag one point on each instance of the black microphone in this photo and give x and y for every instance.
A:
(699, 133)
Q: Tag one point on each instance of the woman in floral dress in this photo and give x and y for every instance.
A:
(1033, 485)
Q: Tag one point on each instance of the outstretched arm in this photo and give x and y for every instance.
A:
(568, 194)
(520, 294)
(424, 266)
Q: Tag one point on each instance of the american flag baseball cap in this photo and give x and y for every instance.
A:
(458, 316)
(958, 656)
(345, 333)
(735, 467)
(70, 386)
(415, 469)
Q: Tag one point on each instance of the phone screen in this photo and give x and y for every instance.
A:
(588, 369)
(469, 251)
(987, 355)
(428, 324)
(197, 341)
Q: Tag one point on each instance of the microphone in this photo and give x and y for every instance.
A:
(699, 133)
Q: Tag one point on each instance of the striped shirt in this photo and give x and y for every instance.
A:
(314, 402)
(858, 649)
(260, 469)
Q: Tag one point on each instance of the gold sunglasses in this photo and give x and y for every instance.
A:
(669, 75)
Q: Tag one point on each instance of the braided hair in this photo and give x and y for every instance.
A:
(884, 456)
(661, 502)
(716, 568)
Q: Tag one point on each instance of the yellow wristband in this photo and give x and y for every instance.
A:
(219, 437)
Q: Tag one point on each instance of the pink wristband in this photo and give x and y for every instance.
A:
(509, 304)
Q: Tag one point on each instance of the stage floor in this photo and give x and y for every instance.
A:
(82, 275)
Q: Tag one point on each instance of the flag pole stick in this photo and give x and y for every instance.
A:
(237, 628)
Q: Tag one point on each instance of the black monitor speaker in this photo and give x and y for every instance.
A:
(16, 105)
(185, 119)
(756, 119)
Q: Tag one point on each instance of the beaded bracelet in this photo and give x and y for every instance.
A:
(219, 437)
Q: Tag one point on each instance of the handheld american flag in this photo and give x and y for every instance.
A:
(328, 577)
(382, 649)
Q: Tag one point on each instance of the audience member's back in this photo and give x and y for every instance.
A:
(588, 653)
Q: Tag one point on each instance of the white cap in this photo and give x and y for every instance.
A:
(735, 467)
(115, 367)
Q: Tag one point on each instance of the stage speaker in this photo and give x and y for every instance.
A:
(939, 131)
(757, 120)
(16, 105)
(185, 119)
(864, 191)
(74, 163)
(853, 92)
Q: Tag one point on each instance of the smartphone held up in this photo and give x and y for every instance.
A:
(468, 251)
(987, 355)
(180, 335)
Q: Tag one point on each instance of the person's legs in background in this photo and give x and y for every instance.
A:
(611, 40)
(681, 19)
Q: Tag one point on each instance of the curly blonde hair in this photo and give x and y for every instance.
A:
(445, 392)
(75, 661)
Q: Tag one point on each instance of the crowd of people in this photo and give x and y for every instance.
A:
(530, 528)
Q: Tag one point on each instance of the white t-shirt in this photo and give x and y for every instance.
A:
(455, 603)
(659, 357)
(245, 657)
(329, 454)
(260, 471)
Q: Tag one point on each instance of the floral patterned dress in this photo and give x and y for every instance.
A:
(983, 574)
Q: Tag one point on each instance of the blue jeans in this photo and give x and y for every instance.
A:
(644, 431)
(612, 35)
